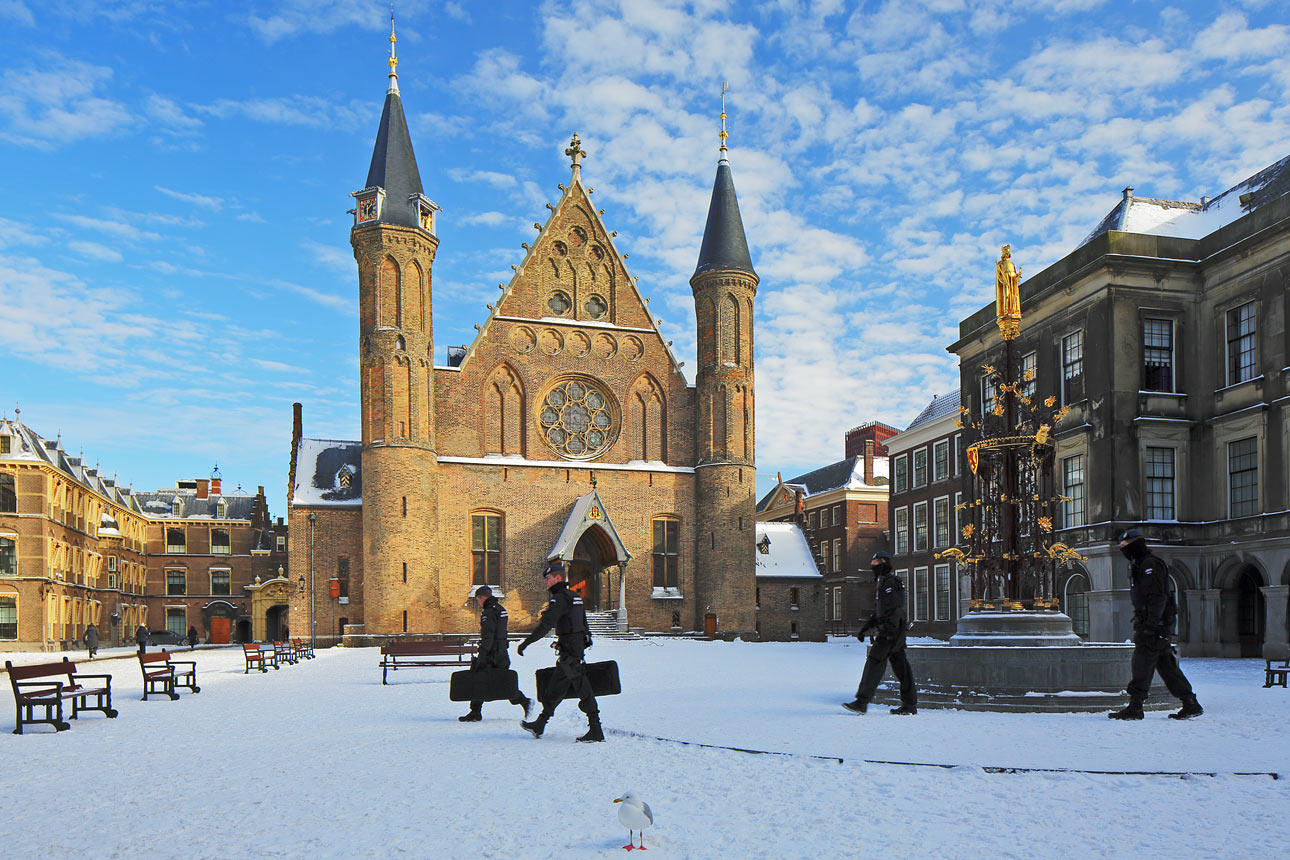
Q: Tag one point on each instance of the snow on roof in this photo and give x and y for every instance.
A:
(319, 479)
(940, 406)
(844, 474)
(1187, 220)
(787, 553)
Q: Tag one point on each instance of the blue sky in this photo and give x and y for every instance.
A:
(175, 267)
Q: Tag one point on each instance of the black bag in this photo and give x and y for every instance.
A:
(483, 685)
(603, 678)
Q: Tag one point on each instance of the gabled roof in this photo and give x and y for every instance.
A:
(319, 465)
(787, 553)
(587, 511)
(942, 405)
(1188, 220)
(725, 247)
(847, 473)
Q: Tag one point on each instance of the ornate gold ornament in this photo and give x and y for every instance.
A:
(1007, 292)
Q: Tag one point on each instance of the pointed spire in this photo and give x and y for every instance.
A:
(576, 152)
(393, 61)
(394, 166)
(724, 245)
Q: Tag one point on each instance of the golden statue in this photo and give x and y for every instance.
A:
(1007, 294)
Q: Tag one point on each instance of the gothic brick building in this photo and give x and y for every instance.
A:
(566, 430)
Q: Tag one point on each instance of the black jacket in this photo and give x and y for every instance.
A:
(888, 617)
(566, 615)
(1154, 608)
(492, 652)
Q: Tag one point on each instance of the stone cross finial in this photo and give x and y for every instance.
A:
(576, 152)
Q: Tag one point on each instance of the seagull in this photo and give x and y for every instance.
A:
(634, 814)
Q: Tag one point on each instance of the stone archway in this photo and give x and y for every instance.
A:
(269, 607)
(592, 555)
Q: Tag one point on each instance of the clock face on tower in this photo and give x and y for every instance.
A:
(367, 209)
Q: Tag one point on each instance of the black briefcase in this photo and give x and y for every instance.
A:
(484, 685)
(603, 677)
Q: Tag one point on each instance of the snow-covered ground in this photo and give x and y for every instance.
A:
(319, 760)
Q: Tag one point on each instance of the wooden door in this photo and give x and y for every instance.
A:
(220, 629)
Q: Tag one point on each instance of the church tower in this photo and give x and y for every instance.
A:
(394, 244)
(724, 286)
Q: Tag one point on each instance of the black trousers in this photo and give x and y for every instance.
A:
(1152, 654)
(570, 674)
(875, 666)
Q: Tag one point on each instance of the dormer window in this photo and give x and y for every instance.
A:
(221, 510)
(5, 444)
(176, 507)
(344, 477)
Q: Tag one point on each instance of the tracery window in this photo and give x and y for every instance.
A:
(579, 418)
(559, 303)
(596, 307)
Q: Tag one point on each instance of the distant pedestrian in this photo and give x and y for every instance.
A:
(1154, 613)
(141, 638)
(92, 640)
(192, 638)
(492, 652)
(888, 644)
(566, 614)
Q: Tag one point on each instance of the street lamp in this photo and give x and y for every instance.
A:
(313, 620)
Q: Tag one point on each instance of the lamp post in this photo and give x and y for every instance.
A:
(313, 621)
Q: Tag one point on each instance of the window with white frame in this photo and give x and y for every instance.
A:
(955, 447)
(942, 603)
(810, 519)
(220, 582)
(1073, 367)
(837, 603)
(901, 540)
(1160, 484)
(941, 460)
(837, 555)
(920, 526)
(1243, 477)
(220, 544)
(1157, 355)
(177, 621)
(960, 516)
(987, 395)
(176, 582)
(1073, 489)
(837, 515)
(1029, 371)
(176, 541)
(920, 468)
(8, 617)
(900, 470)
(111, 564)
(1242, 344)
(8, 557)
(920, 594)
(941, 522)
(280, 542)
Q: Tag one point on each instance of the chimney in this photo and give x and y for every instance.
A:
(215, 485)
(1128, 192)
(296, 424)
(868, 462)
(203, 486)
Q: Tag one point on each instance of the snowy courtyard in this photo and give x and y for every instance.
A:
(320, 760)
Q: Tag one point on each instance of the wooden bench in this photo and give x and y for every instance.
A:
(163, 675)
(30, 693)
(285, 652)
(303, 648)
(405, 655)
(258, 658)
(1276, 674)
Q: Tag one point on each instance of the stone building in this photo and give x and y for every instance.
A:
(790, 589)
(1165, 332)
(77, 548)
(841, 509)
(566, 430)
(926, 488)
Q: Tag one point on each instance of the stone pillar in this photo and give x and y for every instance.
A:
(1106, 616)
(1208, 619)
(1276, 643)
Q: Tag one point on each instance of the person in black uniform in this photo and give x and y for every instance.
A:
(888, 644)
(1154, 612)
(565, 614)
(492, 653)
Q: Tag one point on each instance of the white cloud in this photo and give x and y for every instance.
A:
(203, 200)
(95, 251)
(1230, 38)
(51, 108)
(15, 10)
(170, 114)
(119, 229)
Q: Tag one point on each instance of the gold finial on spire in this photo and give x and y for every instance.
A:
(1007, 294)
(394, 60)
(724, 86)
(576, 152)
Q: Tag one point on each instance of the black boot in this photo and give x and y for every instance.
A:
(1133, 711)
(1191, 708)
(525, 702)
(536, 727)
(905, 710)
(856, 706)
(472, 717)
(594, 733)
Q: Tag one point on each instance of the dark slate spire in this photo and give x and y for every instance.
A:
(394, 166)
(724, 245)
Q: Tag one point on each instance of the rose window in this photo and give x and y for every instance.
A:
(579, 419)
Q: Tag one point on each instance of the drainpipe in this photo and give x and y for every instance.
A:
(313, 619)
(622, 597)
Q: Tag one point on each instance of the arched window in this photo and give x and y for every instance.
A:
(8, 495)
(1249, 606)
(1077, 603)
